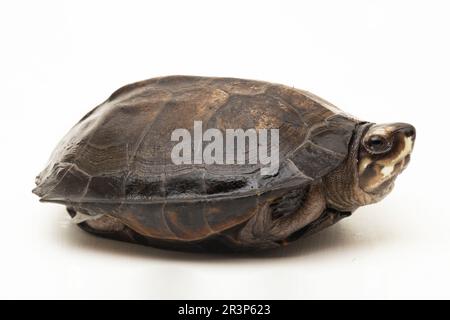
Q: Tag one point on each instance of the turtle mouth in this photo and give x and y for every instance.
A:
(405, 162)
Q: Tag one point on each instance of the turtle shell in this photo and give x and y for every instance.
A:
(117, 158)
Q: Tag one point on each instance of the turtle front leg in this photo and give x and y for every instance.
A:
(311, 210)
(265, 231)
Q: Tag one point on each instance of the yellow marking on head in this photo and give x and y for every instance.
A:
(405, 151)
(387, 170)
(363, 163)
(388, 166)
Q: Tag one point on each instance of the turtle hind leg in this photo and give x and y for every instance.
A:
(102, 223)
(104, 226)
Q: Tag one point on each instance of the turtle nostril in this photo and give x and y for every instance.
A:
(409, 131)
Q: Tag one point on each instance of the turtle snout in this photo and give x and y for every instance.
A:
(407, 129)
(407, 134)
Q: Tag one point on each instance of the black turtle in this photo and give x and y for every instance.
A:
(115, 172)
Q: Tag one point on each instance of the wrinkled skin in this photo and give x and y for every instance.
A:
(113, 169)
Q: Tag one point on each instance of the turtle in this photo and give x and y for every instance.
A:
(114, 170)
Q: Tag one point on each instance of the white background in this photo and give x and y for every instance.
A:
(383, 61)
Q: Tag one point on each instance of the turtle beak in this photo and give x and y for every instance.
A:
(408, 132)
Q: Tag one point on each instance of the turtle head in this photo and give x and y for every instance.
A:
(384, 152)
(378, 154)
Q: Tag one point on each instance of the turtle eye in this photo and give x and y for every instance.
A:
(377, 144)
